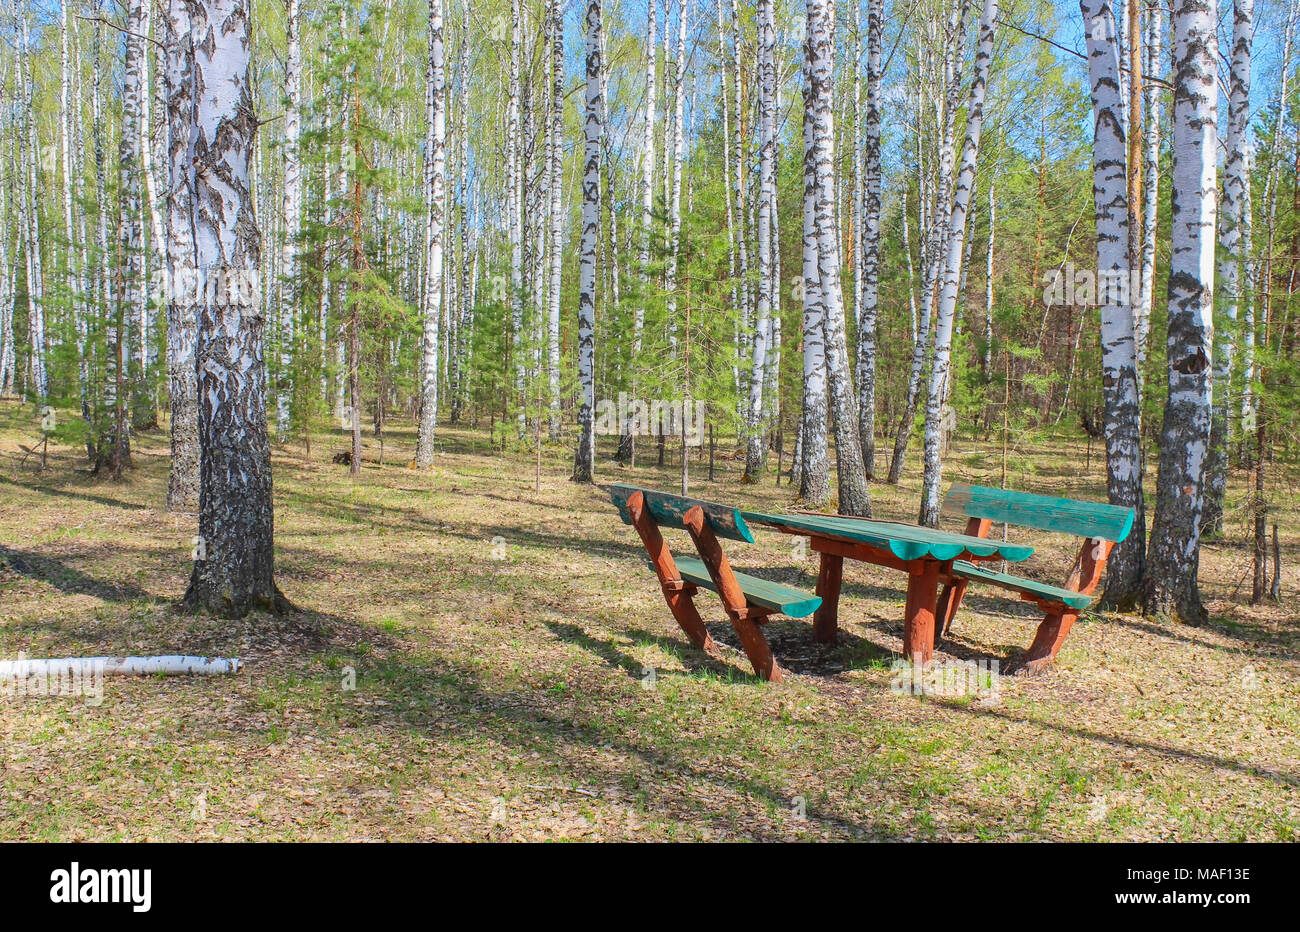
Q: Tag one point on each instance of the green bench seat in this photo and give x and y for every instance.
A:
(774, 596)
(1040, 591)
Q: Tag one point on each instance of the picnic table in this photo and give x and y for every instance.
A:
(925, 554)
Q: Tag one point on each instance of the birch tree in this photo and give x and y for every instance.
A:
(291, 270)
(1118, 334)
(32, 225)
(555, 166)
(435, 169)
(1233, 244)
(183, 483)
(1151, 92)
(823, 294)
(868, 308)
(234, 559)
(1170, 586)
(940, 370)
(756, 448)
(584, 455)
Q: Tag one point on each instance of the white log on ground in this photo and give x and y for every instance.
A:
(164, 665)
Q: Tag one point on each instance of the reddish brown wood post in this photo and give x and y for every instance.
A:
(955, 590)
(827, 618)
(1052, 631)
(946, 610)
(677, 593)
(922, 597)
(743, 618)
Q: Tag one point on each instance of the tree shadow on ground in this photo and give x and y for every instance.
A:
(58, 492)
(69, 580)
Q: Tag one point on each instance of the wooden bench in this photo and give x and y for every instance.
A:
(747, 600)
(1100, 525)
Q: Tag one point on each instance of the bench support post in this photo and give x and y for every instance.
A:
(1085, 575)
(743, 618)
(676, 593)
(955, 589)
(826, 618)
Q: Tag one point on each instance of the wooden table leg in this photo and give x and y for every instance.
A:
(918, 623)
(949, 602)
(826, 618)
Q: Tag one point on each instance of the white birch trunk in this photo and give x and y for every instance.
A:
(869, 240)
(555, 167)
(675, 190)
(32, 227)
(233, 565)
(514, 209)
(1173, 555)
(756, 447)
(292, 200)
(584, 456)
(1118, 334)
(435, 167)
(1232, 221)
(1150, 184)
(183, 482)
(941, 365)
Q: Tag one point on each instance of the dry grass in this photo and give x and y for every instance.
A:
(506, 698)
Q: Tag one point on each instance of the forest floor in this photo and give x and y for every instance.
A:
(502, 640)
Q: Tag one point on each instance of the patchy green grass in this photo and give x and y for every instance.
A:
(517, 675)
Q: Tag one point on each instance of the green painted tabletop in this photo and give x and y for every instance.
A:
(905, 541)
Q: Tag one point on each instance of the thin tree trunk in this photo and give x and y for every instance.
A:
(183, 483)
(32, 226)
(1150, 187)
(584, 456)
(940, 371)
(435, 168)
(555, 18)
(869, 237)
(1236, 176)
(756, 449)
(292, 199)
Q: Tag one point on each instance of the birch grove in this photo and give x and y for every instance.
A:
(529, 227)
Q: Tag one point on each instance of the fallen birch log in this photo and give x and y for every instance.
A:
(170, 665)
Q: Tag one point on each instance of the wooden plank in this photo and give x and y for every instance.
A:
(762, 592)
(863, 552)
(905, 541)
(1039, 591)
(669, 510)
(1066, 515)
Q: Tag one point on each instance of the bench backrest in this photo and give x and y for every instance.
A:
(668, 510)
(1066, 515)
